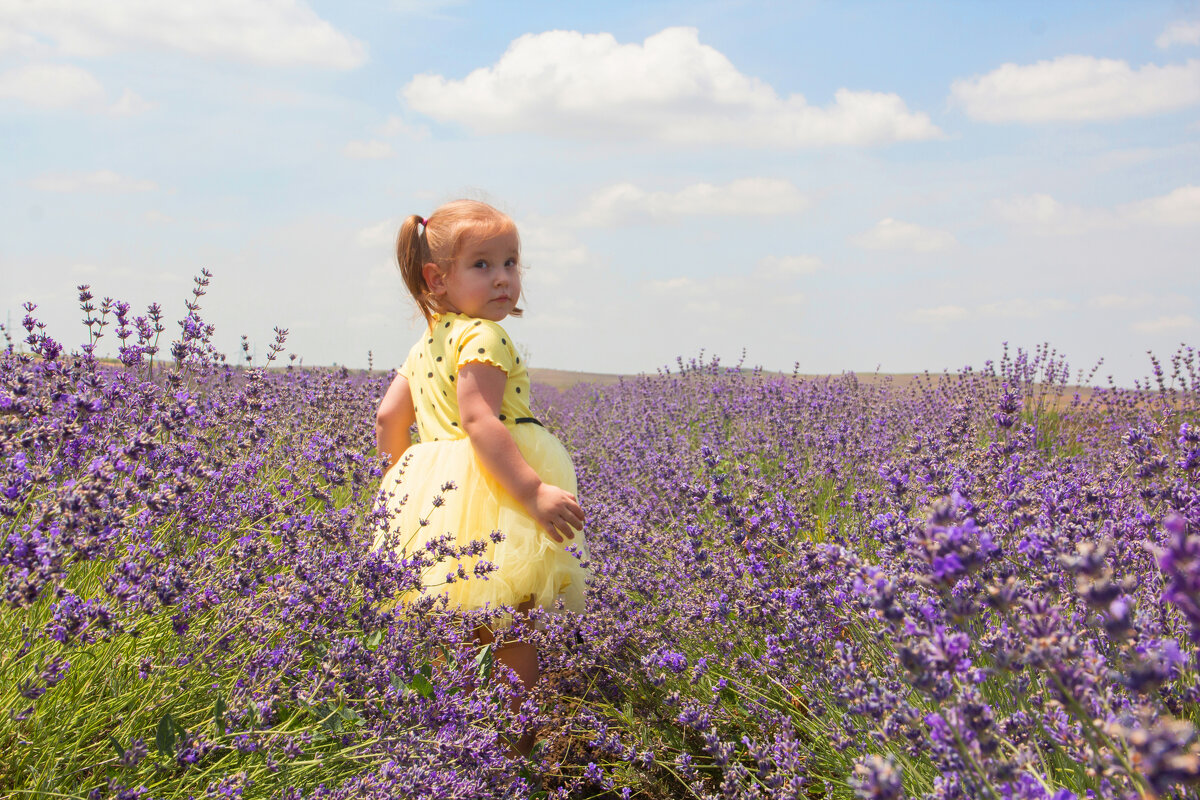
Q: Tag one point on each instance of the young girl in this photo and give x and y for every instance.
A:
(484, 463)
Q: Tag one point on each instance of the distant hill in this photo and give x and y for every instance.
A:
(565, 378)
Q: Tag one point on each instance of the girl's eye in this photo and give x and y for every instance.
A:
(481, 264)
(512, 262)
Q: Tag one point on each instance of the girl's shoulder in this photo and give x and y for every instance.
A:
(473, 339)
(461, 326)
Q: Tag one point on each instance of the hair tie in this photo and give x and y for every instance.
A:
(421, 220)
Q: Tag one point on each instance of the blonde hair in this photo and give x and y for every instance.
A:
(438, 240)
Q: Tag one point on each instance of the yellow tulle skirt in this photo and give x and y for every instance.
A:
(440, 490)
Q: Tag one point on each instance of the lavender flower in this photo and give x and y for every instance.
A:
(877, 778)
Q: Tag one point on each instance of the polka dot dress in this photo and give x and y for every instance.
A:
(529, 564)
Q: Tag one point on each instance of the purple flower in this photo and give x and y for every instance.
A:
(1180, 564)
(877, 778)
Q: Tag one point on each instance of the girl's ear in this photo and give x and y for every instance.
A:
(435, 279)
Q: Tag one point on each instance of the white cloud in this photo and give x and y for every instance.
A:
(102, 181)
(130, 105)
(788, 266)
(550, 253)
(52, 86)
(787, 299)
(1178, 322)
(1043, 212)
(398, 126)
(1040, 209)
(20, 43)
(1179, 32)
(696, 296)
(892, 234)
(1017, 307)
(371, 149)
(65, 86)
(1077, 88)
(672, 285)
(1178, 208)
(938, 314)
(723, 293)
(1025, 308)
(381, 234)
(271, 32)
(1120, 301)
(670, 88)
(744, 197)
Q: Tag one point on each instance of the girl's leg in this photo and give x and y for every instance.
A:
(521, 658)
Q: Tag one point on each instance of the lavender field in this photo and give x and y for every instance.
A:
(978, 585)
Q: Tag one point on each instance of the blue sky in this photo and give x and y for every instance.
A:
(842, 186)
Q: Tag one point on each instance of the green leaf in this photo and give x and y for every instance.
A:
(117, 746)
(219, 708)
(421, 685)
(374, 639)
(164, 737)
(427, 671)
(328, 716)
(539, 747)
(485, 661)
(350, 715)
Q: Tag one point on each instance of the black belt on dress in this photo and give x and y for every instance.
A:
(519, 420)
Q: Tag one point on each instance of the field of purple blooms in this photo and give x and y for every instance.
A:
(978, 585)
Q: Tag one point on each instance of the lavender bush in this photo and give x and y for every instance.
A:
(981, 585)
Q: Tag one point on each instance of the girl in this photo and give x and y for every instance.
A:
(483, 464)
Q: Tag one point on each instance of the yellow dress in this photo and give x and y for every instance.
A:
(440, 487)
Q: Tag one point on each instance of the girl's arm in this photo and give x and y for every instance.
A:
(393, 419)
(480, 391)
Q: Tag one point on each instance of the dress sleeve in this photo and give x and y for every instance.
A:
(486, 342)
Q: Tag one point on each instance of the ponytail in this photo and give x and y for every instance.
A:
(412, 254)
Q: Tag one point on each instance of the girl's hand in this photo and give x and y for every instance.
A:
(557, 511)
(480, 391)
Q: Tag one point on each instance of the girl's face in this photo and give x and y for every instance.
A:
(485, 279)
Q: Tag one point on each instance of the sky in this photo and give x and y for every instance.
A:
(825, 186)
